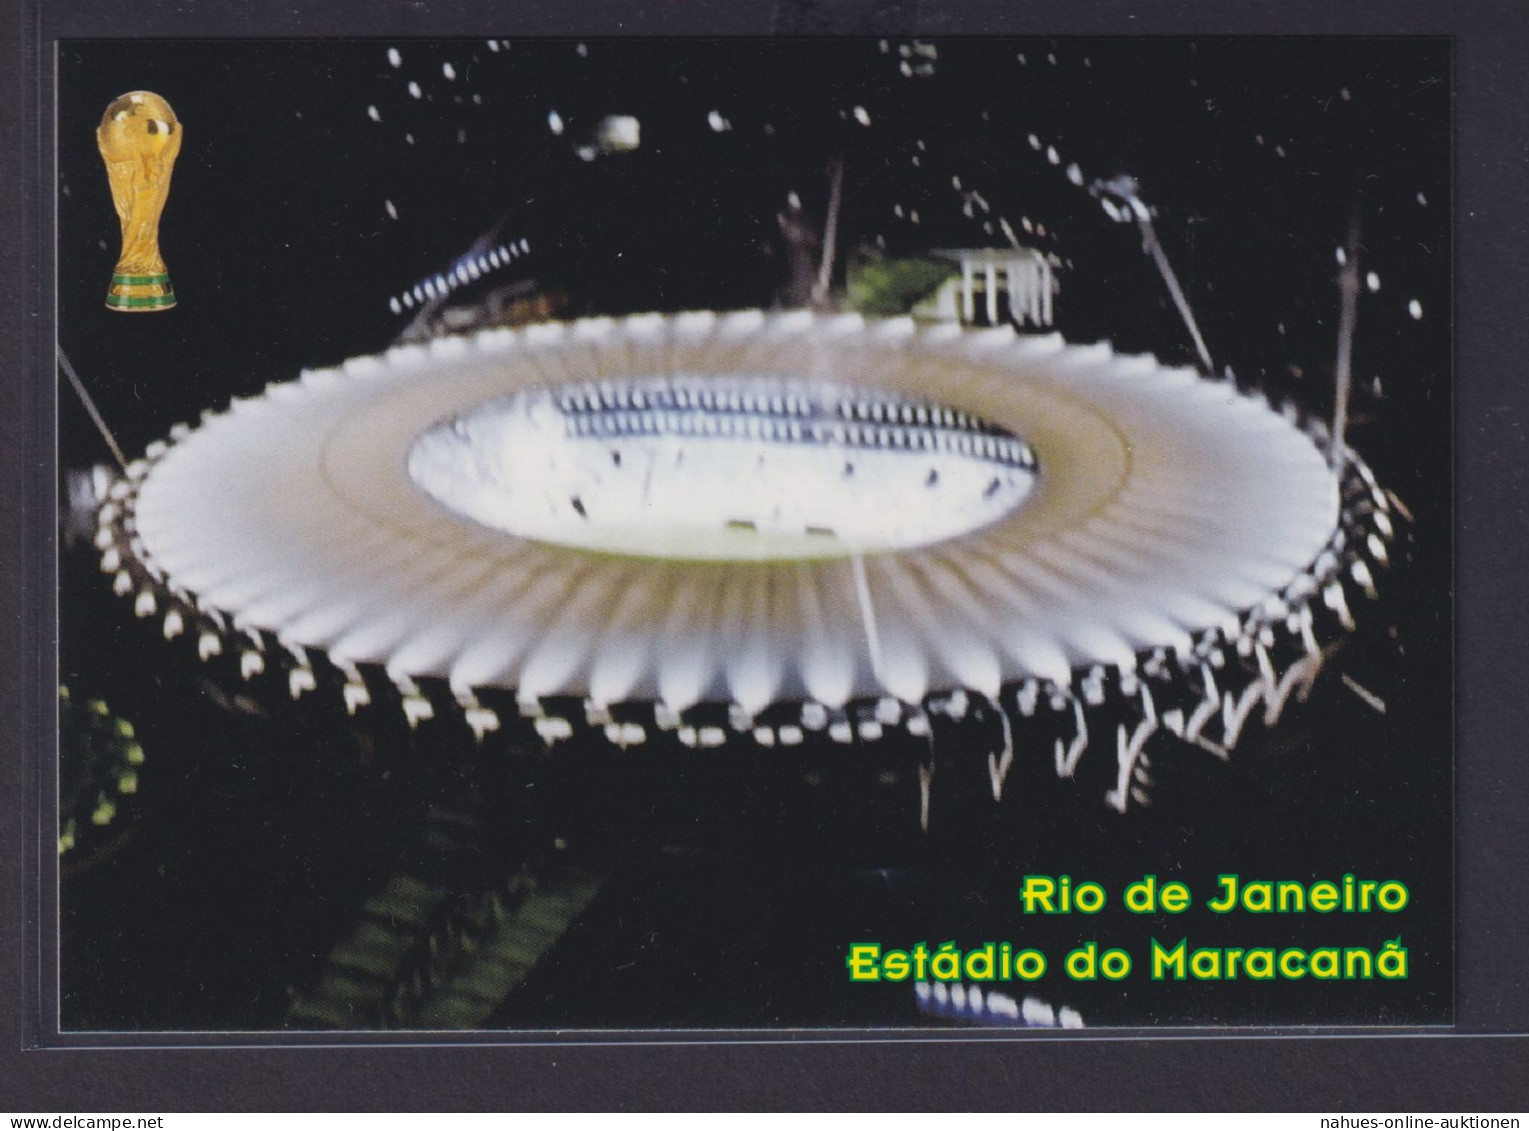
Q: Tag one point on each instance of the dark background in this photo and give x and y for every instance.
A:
(1203, 1073)
(732, 887)
(279, 241)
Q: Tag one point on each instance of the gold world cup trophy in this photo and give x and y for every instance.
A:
(139, 137)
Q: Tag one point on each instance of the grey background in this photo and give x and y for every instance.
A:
(1492, 852)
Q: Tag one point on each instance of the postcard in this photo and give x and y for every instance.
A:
(708, 536)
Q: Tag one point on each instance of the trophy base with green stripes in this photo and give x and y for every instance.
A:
(134, 293)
